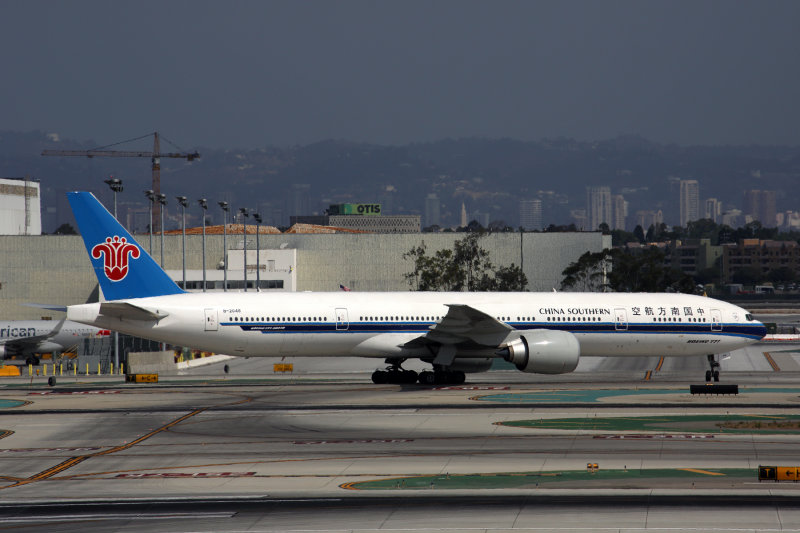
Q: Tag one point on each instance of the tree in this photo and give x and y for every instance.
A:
(465, 267)
(586, 274)
(65, 229)
(638, 232)
(625, 271)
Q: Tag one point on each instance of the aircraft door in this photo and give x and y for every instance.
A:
(716, 320)
(620, 319)
(211, 320)
(342, 322)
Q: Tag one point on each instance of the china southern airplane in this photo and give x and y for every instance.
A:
(455, 332)
(27, 338)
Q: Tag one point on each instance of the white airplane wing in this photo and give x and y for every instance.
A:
(464, 323)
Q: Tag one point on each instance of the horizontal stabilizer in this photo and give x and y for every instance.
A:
(128, 311)
(50, 307)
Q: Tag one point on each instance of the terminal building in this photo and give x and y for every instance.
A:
(55, 269)
(362, 217)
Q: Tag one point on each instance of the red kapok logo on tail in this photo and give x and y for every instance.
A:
(116, 251)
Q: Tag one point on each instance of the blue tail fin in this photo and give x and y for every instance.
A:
(122, 267)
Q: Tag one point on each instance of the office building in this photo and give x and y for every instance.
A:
(530, 214)
(598, 206)
(689, 201)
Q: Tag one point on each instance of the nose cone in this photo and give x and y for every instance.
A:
(760, 330)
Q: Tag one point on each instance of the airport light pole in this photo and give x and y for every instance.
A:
(225, 209)
(257, 218)
(243, 211)
(183, 203)
(116, 186)
(162, 199)
(152, 197)
(204, 206)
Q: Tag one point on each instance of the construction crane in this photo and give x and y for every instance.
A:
(155, 157)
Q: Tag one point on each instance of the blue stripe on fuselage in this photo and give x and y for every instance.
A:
(728, 330)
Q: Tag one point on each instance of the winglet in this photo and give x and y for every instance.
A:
(123, 269)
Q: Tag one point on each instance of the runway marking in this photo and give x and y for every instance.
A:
(72, 461)
(197, 475)
(53, 393)
(660, 363)
(697, 471)
(772, 362)
(647, 375)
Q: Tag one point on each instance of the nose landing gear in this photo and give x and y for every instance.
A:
(714, 372)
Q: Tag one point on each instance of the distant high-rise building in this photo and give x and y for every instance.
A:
(598, 206)
(645, 219)
(690, 201)
(733, 218)
(432, 217)
(464, 220)
(619, 212)
(298, 201)
(530, 214)
(580, 219)
(760, 205)
(713, 209)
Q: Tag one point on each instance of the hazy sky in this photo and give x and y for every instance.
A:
(254, 73)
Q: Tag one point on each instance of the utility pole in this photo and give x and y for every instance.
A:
(116, 186)
(257, 218)
(162, 201)
(225, 208)
(151, 196)
(183, 203)
(204, 206)
(243, 211)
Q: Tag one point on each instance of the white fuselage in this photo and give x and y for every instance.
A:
(17, 333)
(378, 324)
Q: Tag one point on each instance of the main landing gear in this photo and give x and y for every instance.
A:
(32, 360)
(441, 376)
(394, 374)
(714, 372)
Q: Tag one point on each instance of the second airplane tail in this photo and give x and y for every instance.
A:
(123, 269)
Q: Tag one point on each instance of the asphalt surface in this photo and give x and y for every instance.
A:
(323, 449)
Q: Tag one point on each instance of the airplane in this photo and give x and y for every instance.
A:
(456, 332)
(27, 338)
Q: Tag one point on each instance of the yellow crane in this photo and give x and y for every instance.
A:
(155, 157)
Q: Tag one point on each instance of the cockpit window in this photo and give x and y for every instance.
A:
(749, 317)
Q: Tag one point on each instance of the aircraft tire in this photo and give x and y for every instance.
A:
(409, 376)
(51, 381)
(716, 375)
(457, 377)
(708, 375)
(427, 378)
(379, 377)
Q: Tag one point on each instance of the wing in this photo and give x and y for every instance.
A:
(461, 324)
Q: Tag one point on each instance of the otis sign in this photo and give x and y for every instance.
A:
(116, 251)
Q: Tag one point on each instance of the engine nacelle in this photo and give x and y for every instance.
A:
(2, 352)
(470, 365)
(544, 351)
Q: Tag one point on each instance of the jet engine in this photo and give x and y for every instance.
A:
(543, 351)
